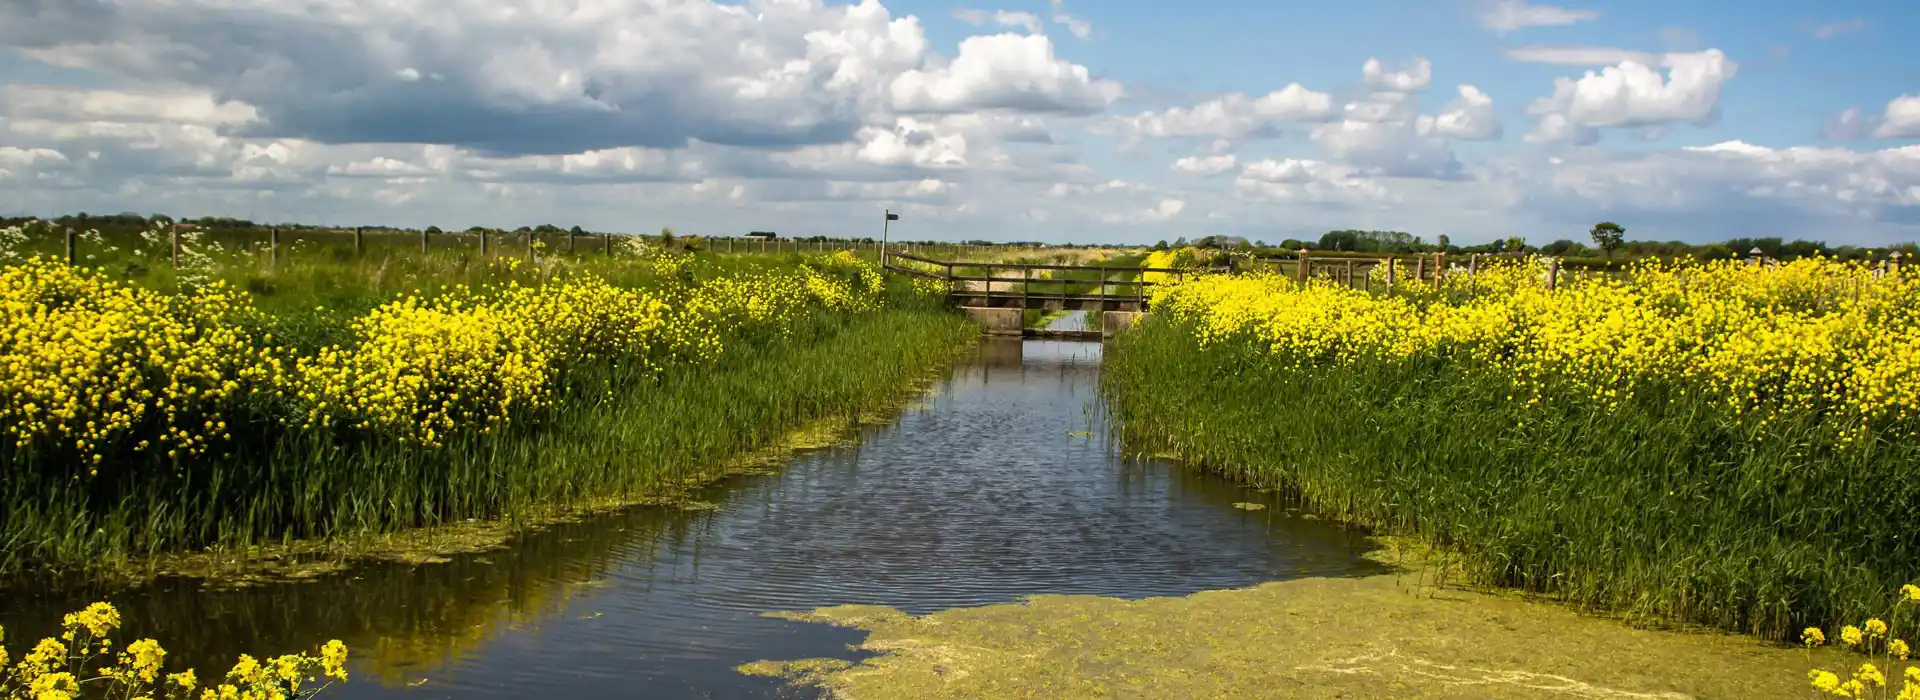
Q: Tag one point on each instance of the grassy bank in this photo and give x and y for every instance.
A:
(143, 423)
(1721, 445)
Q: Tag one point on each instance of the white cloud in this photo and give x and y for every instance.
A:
(1235, 115)
(1004, 72)
(1294, 180)
(1901, 119)
(1415, 77)
(1395, 149)
(153, 106)
(1205, 166)
(1504, 16)
(1830, 30)
(1581, 55)
(1078, 27)
(1848, 125)
(1635, 95)
(1024, 20)
(1469, 118)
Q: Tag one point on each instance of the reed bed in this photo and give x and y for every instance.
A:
(143, 417)
(1724, 444)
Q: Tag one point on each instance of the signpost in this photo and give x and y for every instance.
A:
(891, 217)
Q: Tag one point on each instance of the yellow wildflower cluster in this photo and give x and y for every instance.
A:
(1172, 258)
(59, 668)
(90, 364)
(86, 362)
(1876, 639)
(1813, 335)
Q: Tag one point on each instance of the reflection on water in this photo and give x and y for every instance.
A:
(1001, 485)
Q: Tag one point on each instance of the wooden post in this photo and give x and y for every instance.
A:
(1349, 273)
(173, 239)
(483, 244)
(1103, 283)
(1553, 273)
(569, 240)
(1896, 263)
(423, 240)
(1419, 268)
(1473, 265)
(609, 241)
(359, 240)
(1389, 263)
(273, 247)
(1303, 269)
(69, 245)
(1439, 266)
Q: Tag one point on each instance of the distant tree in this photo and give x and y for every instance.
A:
(1444, 242)
(576, 231)
(666, 236)
(1180, 242)
(1608, 235)
(1162, 245)
(1516, 244)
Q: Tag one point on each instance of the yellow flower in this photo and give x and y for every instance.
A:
(1898, 648)
(1876, 628)
(1823, 681)
(1870, 674)
(184, 679)
(1813, 637)
(144, 658)
(1910, 593)
(333, 660)
(1851, 635)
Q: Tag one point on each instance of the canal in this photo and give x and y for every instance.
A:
(1002, 483)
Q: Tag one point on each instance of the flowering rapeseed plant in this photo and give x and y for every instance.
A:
(1814, 335)
(62, 668)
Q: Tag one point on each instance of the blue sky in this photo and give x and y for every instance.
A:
(1034, 120)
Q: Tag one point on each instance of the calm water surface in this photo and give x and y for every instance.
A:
(1000, 485)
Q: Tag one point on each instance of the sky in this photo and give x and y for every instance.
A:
(1042, 120)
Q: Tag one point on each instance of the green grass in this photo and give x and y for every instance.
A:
(1667, 509)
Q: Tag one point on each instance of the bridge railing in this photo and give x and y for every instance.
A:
(1036, 285)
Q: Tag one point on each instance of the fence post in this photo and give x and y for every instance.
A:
(569, 240)
(423, 241)
(1473, 265)
(1419, 268)
(1389, 263)
(483, 244)
(173, 242)
(1439, 265)
(1896, 263)
(273, 247)
(69, 245)
(1553, 273)
(359, 240)
(1302, 269)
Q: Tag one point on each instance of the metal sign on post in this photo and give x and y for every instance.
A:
(891, 217)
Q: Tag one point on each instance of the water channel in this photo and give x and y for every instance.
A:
(1001, 484)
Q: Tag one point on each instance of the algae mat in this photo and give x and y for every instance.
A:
(1313, 638)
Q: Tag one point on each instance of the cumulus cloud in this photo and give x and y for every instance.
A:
(1901, 119)
(1235, 115)
(1504, 16)
(1394, 149)
(1297, 180)
(1205, 166)
(1415, 77)
(1469, 118)
(1635, 95)
(529, 76)
(1005, 72)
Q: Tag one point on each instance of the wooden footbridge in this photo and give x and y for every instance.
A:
(1118, 292)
